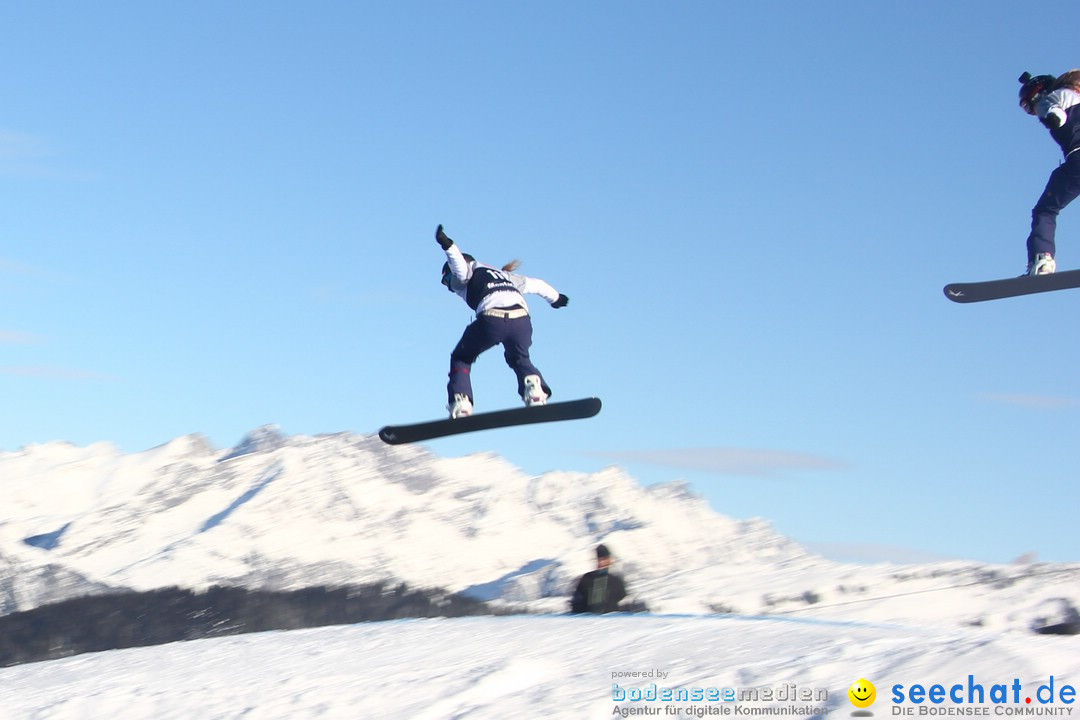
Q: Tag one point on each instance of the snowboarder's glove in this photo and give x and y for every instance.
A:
(1054, 119)
(440, 237)
(560, 301)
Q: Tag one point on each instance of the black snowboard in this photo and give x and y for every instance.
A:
(1011, 287)
(569, 410)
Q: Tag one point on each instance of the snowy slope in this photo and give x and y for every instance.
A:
(282, 512)
(526, 667)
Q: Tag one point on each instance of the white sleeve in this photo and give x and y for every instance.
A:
(534, 286)
(1057, 103)
(459, 266)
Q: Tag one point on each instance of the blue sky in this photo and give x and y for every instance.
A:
(220, 215)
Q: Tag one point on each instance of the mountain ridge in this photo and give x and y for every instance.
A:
(280, 512)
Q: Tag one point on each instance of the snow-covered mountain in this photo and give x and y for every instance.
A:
(284, 512)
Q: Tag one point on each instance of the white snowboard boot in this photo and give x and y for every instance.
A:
(534, 392)
(461, 407)
(1044, 265)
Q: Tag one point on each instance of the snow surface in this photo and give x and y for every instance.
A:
(524, 667)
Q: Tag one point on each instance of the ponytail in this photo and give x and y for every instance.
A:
(511, 266)
(1070, 80)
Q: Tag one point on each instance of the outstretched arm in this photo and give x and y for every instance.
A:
(459, 266)
(536, 286)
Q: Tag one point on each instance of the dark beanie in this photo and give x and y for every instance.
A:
(602, 551)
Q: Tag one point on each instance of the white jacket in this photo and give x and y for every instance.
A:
(502, 289)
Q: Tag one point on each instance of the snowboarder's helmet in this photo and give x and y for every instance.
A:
(447, 275)
(1032, 89)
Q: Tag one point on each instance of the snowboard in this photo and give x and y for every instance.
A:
(1011, 287)
(569, 410)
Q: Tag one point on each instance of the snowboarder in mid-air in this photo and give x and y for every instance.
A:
(1055, 101)
(502, 317)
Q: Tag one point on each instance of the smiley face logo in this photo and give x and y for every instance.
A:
(862, 693)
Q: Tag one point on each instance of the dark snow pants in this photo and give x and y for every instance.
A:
(484, 333)
(1062, 188)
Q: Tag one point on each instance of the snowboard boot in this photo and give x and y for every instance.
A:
(534, 392)
(1043, 264)
(461, 407)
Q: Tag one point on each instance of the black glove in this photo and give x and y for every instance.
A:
(1052, 121)
(560, 301)
(440, 237)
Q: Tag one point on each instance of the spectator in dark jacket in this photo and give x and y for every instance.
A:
(599, 590)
